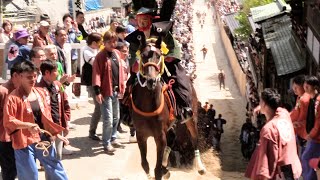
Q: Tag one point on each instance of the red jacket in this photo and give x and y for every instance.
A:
(102, 73)
(17, 109)
(64, 108)
(5, 90)
(299, 114)
(276, 148)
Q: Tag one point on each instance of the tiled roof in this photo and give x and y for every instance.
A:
(286, 57)
(231, 21)
(262, 13)
(276, 28)
(277, 36)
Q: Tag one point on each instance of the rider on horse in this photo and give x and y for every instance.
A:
(182, 87)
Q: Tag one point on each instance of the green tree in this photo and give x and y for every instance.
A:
(245, 30)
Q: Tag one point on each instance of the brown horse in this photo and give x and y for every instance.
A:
(151, 111)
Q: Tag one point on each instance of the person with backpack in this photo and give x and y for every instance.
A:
(94, 40)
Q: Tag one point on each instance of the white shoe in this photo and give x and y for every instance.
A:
(66, 151)
(116, 144)
(120, 136)
(132, 139)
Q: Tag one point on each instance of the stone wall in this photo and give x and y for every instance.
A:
(239, 76)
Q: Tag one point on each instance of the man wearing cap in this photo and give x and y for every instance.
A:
(42, 38)
(18, 51)
(182, 86)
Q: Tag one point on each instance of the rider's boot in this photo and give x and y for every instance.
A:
(187, 114)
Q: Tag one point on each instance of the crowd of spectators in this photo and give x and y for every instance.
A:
(227, 6)
(182, 31)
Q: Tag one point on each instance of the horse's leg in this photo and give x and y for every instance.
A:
(142, 142)
(191, 126)
(161, 143)
(170, 141)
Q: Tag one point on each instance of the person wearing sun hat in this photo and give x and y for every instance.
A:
(182, 87)
(18, 51)
(42, 37)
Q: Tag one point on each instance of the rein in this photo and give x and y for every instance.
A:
(155, 112)
(44, 145)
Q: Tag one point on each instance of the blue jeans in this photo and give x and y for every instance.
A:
(27, 168)
(312, 150)
(110, 112)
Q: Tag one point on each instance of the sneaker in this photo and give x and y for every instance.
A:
(116, 144)
(66, 151)
(132, 139)
(109, 149)
(94, 137)
(120, 136)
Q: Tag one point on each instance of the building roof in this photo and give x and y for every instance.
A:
(277, 36)
(286, 57)
(253, 25)
(232, 22)
(276, 28)
(273, 9)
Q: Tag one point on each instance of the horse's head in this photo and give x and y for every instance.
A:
(151, 65)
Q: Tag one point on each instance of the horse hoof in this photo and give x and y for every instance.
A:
(149, 176)
(202, 172)
(167, 175)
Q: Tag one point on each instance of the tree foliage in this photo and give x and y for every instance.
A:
(244, 30)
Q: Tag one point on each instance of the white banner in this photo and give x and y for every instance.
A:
(77, 6)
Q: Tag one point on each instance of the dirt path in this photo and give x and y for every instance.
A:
(227, 102)
(91, 163)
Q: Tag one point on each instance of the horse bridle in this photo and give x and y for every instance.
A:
(160, 66)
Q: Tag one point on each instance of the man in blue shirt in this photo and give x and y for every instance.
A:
(132, 24)
(18, 51)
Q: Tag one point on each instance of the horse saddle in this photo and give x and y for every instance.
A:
(125, 105)
(171, 101)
